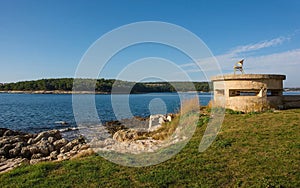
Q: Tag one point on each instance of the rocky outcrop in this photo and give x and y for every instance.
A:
(125, 135)
(17, 148)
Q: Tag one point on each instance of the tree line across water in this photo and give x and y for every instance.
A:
(104, 85)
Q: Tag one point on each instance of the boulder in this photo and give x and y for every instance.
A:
(30, 141)
(10, 140)
(37, 156)
(44, 150)
(51, 139)
(46, 134)
(4, 151)
(15, 152)
(34, 161)
(12, 163)
(58, 144)
(40, 136)
(125, 135)
(20, 144)
(9, 133)
(33, 149)
(62, 157)
(2, 131)
(17, 147)
(53, 155)
(25, 153)
(55, 134)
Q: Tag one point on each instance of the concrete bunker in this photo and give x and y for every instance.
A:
(252, 92)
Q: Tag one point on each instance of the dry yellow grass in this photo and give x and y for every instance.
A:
(189, 106)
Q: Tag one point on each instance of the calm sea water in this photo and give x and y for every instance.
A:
(38, 112)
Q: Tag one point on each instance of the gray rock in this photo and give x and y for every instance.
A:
(109, 141)
(44, 150)
(55, 134)
(15, 152)
(25, 153)
(5, 149)
(125, 135)
(19, 145)
(30, 141)
(9, 140)
(62, 157)
(2, 131)
(51, 139)
(2, 152)
(53, 155)
(33, 149)
(40, 136)
(59, 143)
(9, 133)
(34, 161)
(37, 156)
(67, 147)
(12, 163)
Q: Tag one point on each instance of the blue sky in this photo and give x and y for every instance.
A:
(46, 39)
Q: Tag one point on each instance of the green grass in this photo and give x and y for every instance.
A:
(252, 150)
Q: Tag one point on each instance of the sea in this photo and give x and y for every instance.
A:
(39, 112)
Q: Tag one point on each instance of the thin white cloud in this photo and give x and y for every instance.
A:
(259, 45)
(229, 56)
(287, 62)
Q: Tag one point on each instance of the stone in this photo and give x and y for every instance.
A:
(12, 163)
(33, 149)
(67, 147)
(53, 155)
(5, 149)
(30, 141)
(41, 136)
(51, 139)
(125, 135)
(19, 144)
(9, 133)
(51, 148)
(14, 152)
(59, 143)
(44, 150)
(2, 131)
(62, 157)
(34, 161)
(25, 153)
(55, 134)
(36, 156)
(76, 148)
(84, 147)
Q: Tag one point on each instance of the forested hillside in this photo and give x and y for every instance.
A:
(102, 85)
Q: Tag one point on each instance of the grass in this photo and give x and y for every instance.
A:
(251, 150)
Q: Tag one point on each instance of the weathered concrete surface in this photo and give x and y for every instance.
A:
(249, 77)
(249, 92)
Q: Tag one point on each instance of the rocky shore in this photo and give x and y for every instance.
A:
(126, 136)
(17, 148)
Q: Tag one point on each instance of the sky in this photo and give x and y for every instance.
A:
(48, 38)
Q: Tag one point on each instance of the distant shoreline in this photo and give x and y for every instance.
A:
(82, 92)
(53, 92)
(105, 93)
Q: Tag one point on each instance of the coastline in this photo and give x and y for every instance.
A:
(54, 92)
(85, 92)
